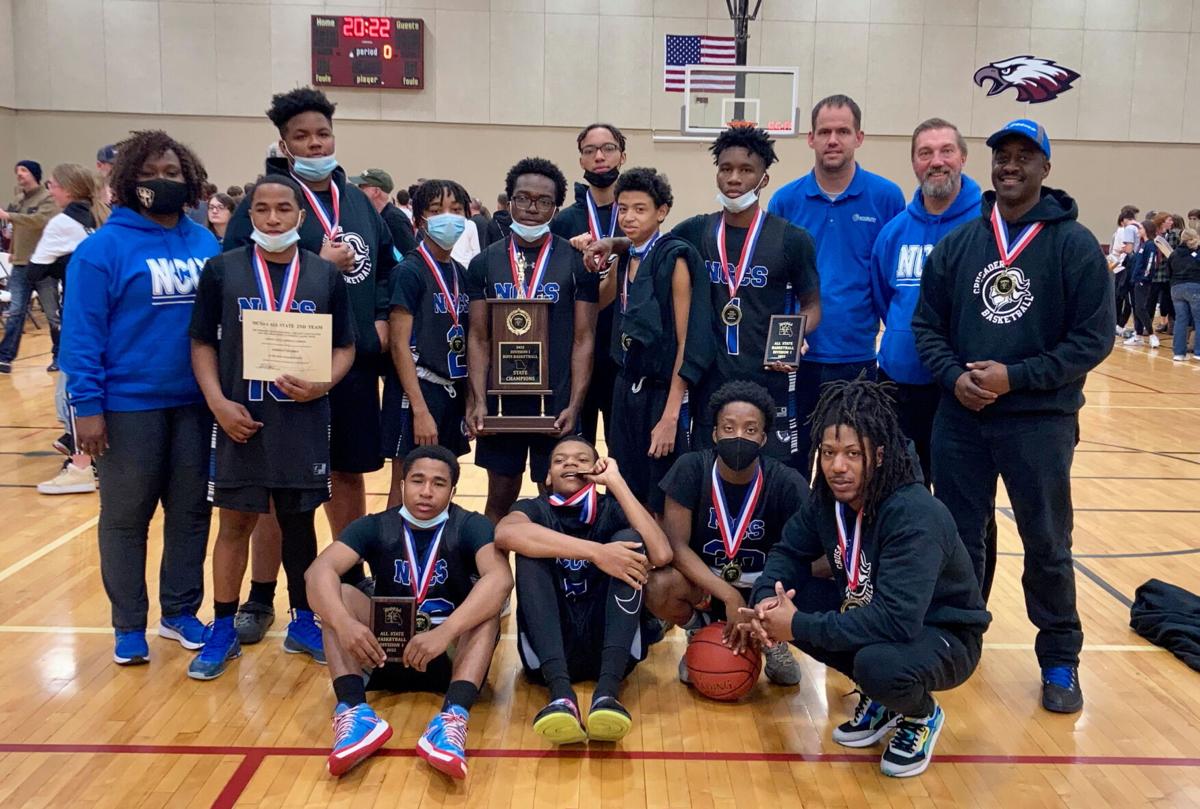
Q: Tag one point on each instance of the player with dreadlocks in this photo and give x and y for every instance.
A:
(903, 615)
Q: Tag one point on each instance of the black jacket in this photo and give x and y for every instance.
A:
(404, 238)
(1168, 616)
(1184, 265)
(916, 573)
(484, 226)
(1049, 318)
(498, 229)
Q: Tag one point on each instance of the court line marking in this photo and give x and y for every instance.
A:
(1141, 555)
(1126, 381)
(50, 547)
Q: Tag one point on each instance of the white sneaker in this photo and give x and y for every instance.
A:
(781, 668)
(684, 676)
(1179, 358)
(70, 480)
(1154, 341)
(1135, 340)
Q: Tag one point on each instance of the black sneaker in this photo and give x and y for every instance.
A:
(65, 444)
(52, 367)
(1060, 689)
(252, 621)
(5, 367)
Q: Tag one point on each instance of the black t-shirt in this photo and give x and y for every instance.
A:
(783, 268)
(379, 540)
(565, 281)
(689, 483)
(578, 579)
(434, 334)
(569, 223)
(291, 449)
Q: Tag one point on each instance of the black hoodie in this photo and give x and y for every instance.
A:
(369, 283)
(1049, 318)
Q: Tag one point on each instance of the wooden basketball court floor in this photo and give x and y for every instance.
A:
(76, 730)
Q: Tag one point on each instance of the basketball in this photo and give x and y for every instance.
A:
(716, 671)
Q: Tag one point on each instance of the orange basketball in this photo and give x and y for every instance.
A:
(716, 671)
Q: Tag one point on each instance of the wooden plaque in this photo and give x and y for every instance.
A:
(520, 366)
(785, 337)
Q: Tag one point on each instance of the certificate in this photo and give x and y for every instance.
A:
(277, 343)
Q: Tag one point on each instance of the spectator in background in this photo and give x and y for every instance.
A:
(247, 188)
(1184, 269)
(1193, 219)
(105, 157)
(501, 220)
(235, 192)
(483, 222)
(27, 215)
(377, 185)
(1160, 282)
(467, 246)
(404, 203)
(199, 214)
(1145, 263)
(1121, 247)
(220, 208)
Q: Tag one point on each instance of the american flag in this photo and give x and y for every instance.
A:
(694, 49)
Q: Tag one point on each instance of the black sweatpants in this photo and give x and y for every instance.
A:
(1143, 309)
(562, 640)
(637, 409)
(915, 406)
(1123, 293)
(900, 676)
(1033, 454)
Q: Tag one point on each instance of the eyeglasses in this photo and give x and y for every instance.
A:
(609, 150)
(525, 202)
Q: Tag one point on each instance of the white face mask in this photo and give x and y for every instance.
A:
(276, 242)
(432, 522)
(739, 204)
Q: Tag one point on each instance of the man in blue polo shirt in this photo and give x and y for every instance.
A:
(844, 207)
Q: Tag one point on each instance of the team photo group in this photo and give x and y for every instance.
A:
(724, 441)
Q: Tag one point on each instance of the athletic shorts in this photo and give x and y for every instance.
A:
(354, 438)
(400, 678)
(257, 499)
(582, 623)
(505, 454)
(446, 408)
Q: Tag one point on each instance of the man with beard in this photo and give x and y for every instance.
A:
(943, 201)
(1011, 344)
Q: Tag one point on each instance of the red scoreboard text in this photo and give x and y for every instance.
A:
(368, 52)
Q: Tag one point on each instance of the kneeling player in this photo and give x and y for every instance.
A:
(903, 615)
(725, 509)
(443, 556)
(582, 559)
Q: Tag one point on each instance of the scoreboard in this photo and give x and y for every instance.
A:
(368, 52)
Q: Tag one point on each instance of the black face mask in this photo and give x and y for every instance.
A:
(602, 180)
(161, 196)
(738, 453)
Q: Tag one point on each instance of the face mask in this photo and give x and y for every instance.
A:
(433, 522)
(445, 229)
(276, 242)
(161, 196)
(738, 453)
(602, 180)
(739, 204)
(530, 233)
(313, 168)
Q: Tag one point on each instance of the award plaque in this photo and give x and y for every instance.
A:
(520, 366)
(393, 621)
(785, 337)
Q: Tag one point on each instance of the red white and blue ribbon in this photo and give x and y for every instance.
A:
(420, 576)
(849, 550)
(331, 224)
(734, 280)
(640, 254)
(585, 500)
(733, 530)
(435, 268)
(266, 289)
(593, 215)
(539, 267)
(1009, 252)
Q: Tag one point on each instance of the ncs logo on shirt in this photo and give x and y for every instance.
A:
(911, 263)
(756, 276)
(173, 280)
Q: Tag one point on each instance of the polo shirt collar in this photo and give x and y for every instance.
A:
(857, 185)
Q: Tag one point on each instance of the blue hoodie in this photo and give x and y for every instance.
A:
(896, 262)
(130, 290)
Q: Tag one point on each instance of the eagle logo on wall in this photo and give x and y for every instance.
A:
(1035, 79)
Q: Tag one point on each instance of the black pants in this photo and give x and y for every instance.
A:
(1033, 453)
(1123, 292)
(154, 456)
(900, 676)
(915, 406)
(637, 408)
(809, 379)
(1143, 309)
(1160, 296)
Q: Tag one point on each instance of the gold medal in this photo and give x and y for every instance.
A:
(731, 315)
(457, 344)
(849, 604)
(423, 623)
(731, 572)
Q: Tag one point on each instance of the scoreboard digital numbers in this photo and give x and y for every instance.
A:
(368, 52)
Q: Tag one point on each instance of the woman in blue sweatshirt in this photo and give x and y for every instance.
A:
(137, 407)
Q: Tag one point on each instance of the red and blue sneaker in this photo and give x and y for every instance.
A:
(357, 733)
(444, 743)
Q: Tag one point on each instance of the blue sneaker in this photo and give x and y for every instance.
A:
(304, 636)
(131, 648)
(870, 723)
(221, 647)
(357, 733)
(185, 628)
(911, 748)
(1060, 689)
(444, 743)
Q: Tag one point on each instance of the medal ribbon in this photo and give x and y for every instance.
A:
(435, 268)
(734, 282)
(330, 224)
(266, 289)
(1008, 254)
(640, 254)
(850, 551)
(419, 577)
(585, 500)
(593, 215)
(539, 266)
(732, 533)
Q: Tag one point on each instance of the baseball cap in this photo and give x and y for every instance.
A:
(107, 154)
(1026, 128)
(374, 178)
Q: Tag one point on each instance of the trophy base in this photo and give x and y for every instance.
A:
(519, 424)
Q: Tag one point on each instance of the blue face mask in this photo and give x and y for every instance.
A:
(433, 522)
(445, 228)
(530, 233)
(313, 168)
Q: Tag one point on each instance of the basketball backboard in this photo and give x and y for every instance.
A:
(716, 96)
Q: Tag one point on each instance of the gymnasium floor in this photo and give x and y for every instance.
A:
(76, 730)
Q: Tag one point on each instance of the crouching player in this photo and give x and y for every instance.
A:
(903, 616)
(582, 560)
(443, 556)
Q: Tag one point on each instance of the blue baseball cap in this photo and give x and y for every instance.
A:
(1026, 128)
(107, 154)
